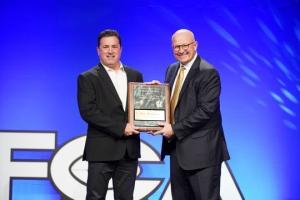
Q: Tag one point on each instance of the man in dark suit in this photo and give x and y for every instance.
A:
(195, 139)
(112, 145)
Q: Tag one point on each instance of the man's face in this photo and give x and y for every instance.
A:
(109, 52)
(184, 47)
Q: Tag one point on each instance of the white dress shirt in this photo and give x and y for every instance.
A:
(186, 71)
(119, 79)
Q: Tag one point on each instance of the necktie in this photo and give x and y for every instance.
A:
(176, 92)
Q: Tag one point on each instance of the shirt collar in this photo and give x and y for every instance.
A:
(108, 69)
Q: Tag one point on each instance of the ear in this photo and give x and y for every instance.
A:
(98, 50)
(196, 45)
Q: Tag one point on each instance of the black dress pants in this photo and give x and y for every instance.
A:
(200, 184)
(123, 174)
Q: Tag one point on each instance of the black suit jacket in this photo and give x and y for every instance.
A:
(101, 107)
(199, 138)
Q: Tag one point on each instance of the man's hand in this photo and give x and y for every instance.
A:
(130, 130)
(166, 131)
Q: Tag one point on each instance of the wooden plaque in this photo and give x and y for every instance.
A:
(148, 104)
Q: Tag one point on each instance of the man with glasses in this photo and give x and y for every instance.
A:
(194, 139)
(112, 145)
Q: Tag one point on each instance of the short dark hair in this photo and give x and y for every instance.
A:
(109, 33)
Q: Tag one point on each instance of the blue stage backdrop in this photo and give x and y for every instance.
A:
(44, 45)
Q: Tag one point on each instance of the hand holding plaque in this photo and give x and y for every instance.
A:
(148, 105)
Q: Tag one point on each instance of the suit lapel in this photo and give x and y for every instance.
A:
(130, 78)
(192, 73)
(173, 74)
(108, 83)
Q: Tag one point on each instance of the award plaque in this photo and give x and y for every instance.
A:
(148, 105)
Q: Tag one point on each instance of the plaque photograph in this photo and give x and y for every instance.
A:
(148, 105)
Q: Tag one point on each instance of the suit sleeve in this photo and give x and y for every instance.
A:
(167, 74)
(140, 78)
(207, 105)
(92, 114)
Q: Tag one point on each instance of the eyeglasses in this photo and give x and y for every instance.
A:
(183, 46)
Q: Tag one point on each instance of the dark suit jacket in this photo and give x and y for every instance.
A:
(101, 107)
(199, 139)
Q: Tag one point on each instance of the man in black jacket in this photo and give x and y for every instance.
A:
(112, 145)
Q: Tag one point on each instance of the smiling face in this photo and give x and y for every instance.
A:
(184, 46)
(109, 52)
